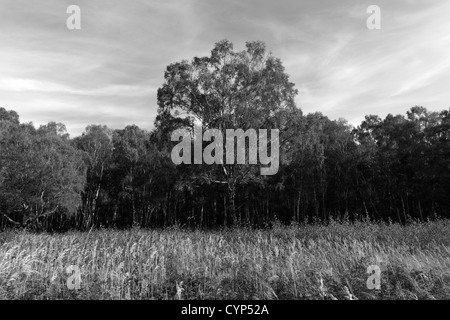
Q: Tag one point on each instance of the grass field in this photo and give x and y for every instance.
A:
(294, 262)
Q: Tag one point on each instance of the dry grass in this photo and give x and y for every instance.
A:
(295, 262)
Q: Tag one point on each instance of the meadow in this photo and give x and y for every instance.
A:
(283, 262)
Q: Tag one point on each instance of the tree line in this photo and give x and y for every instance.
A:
(396, 168)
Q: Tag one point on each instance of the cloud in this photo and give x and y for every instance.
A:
(109, 71)
(29, 85)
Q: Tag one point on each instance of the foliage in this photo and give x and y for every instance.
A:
(41, 174)
(396, 168)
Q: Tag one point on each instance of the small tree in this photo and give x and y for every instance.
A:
(41, 173)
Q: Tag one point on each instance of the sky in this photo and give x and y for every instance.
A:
(109, 71)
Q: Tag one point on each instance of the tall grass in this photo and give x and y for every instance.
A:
(285, 262)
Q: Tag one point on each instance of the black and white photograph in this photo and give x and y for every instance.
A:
(220, 157)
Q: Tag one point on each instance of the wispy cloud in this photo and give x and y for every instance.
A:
(29, 85)
(109, 71)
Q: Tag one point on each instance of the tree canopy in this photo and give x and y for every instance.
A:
(396, 168)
